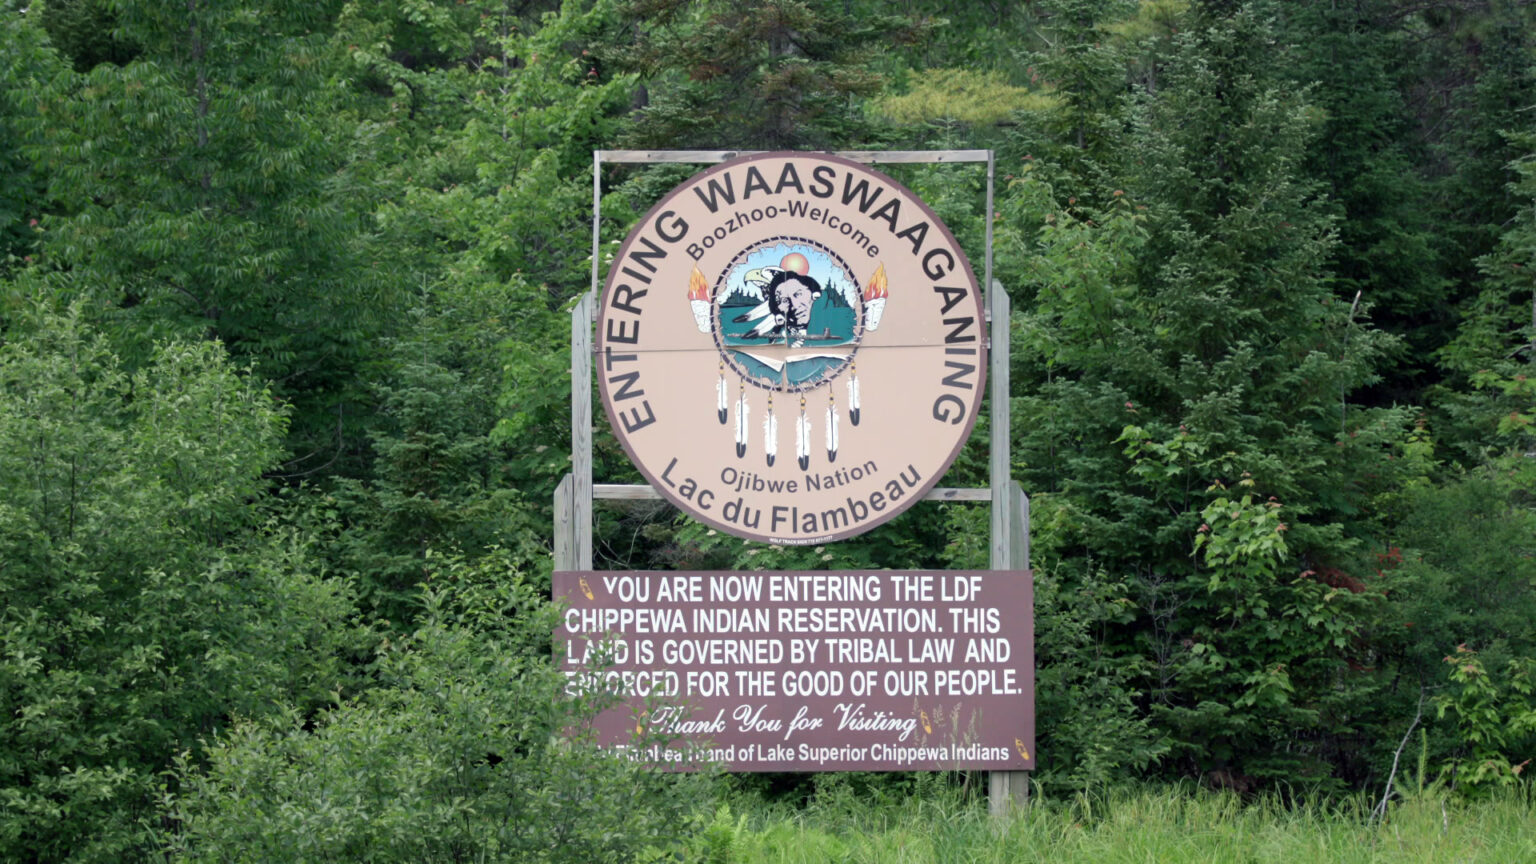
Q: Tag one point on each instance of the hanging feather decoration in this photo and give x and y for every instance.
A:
(720, 400)
(742, 409)
(803, 438)
(771, 432)
(853, 393)
(831, 427)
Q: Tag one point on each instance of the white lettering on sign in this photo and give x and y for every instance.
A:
(784, 670)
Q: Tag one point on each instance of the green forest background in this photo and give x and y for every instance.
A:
(284, 295)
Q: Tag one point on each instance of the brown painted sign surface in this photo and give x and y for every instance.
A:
(791, 347)
(810, 671)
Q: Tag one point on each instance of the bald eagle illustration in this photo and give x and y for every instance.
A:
(786, 306)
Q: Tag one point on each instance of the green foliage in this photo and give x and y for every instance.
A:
(770, 74)
(1486, 79)
(1490, 716)
(439, 479)
(1084, 67)
(1136, 825)
(1091, 731)
(147, 597)
(497, 184)
(1185, 300)
(721, 839)
(1353, 59)
(960, 95)
(1261, 642)
(1081, 263)
(85, 31)
(25, 64)
(1152, 19)
(1481, 78)
(1246, 544)
(1495, 349)
(381, 211)
(462, 749)
(1464, 571)
(490, 217)
(207, 188)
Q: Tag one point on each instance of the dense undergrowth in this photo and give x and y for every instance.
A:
(1127, 826)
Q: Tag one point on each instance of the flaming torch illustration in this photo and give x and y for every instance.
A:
(698, 298)
(875, 294)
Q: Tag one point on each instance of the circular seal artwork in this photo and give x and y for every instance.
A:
(791, 347)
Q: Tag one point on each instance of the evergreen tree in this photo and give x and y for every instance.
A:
(1495, 348)
(1488, 52)
(1194, 367)
(1483, 193)
(754, 74)
(1354, 60)
(1085, 67)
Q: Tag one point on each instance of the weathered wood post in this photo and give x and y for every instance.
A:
(581, 430)
(1010, 513)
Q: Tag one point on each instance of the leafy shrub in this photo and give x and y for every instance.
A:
(460, 751)
(144, 597)
(1491, 716)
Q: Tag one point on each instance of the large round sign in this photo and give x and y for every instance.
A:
(791, 347)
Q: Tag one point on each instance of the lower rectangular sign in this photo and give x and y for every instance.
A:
(809, 671)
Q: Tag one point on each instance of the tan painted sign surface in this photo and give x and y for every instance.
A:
(791, 347)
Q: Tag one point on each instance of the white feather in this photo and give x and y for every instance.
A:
(831, 428)
(771, 434)
(853, 392)
(720, 396)
(742, 409)
(803, 437)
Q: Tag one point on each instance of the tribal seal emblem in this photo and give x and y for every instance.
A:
(786, 317)
(787, 262)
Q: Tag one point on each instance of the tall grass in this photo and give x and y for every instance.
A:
(1141, 825)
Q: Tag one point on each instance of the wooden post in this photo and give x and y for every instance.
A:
(1001, 464)
(1019, 531)
(581, 429)
(565, 526)
(986, 280)
(1005, 789)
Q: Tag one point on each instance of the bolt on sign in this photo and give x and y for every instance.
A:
(879, 670)
(790, 346)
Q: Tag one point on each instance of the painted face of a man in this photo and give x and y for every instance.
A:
(796, 294)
